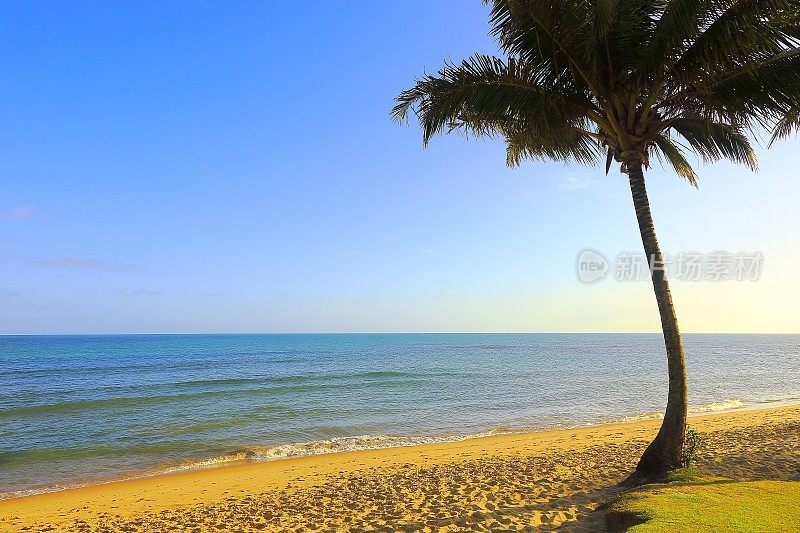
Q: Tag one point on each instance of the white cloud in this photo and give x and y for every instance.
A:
(18, 213)
(213, 294)
(358, 252)
(77, 263)
(573, 182)
(123, 293)
(84, 264)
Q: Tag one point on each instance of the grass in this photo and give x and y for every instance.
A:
(688, 501)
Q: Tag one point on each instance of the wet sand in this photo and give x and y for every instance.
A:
(522, 482)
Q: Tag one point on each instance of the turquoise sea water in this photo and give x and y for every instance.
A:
(81, 409)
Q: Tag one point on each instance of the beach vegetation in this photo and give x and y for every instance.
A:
(692, 445)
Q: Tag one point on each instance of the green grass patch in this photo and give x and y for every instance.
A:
(688, 501)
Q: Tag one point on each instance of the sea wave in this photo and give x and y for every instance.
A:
(357, 443)
(728, 404)
(377, 442)
(277, 387)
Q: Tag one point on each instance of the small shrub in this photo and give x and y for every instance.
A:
(692, 444)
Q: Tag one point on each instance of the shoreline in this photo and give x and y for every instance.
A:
(298, 450)
(198, 489)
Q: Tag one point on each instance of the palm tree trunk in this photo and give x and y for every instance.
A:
(664, 453)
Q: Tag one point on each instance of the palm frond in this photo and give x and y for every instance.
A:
(751, 95)
(558, 143)
(667, 149)
(552, 34)
(484, 91)
(629, 36)
(785, 126)
(713, 141)
(677, 22)
(740, 32)
(605, 17)
(772, 86)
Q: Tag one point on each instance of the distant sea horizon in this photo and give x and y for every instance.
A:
(387, 332)
(86, 408)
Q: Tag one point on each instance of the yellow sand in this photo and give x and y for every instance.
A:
(525, 482)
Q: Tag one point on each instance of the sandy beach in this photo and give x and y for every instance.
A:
(520, 482)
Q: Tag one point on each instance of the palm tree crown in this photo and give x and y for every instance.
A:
(624, 79)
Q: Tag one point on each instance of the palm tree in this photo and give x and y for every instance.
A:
(593, 81)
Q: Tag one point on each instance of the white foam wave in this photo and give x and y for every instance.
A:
(357, 443)
(726, 405)
(730, 404)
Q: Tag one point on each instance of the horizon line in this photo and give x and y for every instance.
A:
(96, 334)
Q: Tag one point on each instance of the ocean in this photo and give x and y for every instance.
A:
(77, 410)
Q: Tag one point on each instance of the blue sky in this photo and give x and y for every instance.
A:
(218, 167)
